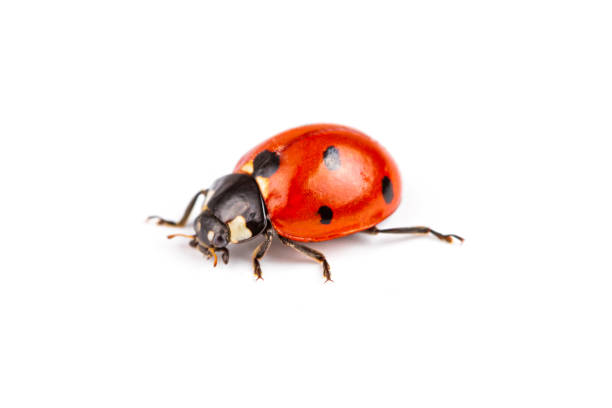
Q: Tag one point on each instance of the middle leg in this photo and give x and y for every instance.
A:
(316, 255)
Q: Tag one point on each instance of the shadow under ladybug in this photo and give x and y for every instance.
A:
(308, 184)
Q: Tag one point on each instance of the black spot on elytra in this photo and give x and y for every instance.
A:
(331, 158)
(265, 164)
(326, 214)
(387, 189)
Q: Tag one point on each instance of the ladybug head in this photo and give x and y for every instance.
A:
(211, 231)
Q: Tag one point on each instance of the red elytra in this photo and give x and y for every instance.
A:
(331, 181)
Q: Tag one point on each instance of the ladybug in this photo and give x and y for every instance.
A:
(308, 184)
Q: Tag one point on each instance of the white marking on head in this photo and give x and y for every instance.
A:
(248, 167)
(239, 230)
(207, 199)
(263, 183)
(211, 235)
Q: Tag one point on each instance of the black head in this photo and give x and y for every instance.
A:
(233, 212)
(211, 231)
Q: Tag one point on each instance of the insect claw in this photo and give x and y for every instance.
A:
(457, 237)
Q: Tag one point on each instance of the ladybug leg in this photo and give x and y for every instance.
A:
(182, 221)
(316, 255)
(413, 230)
(260, 251)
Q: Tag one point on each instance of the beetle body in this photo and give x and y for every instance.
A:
(311, 183)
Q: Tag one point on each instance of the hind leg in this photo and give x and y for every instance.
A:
(414, 230)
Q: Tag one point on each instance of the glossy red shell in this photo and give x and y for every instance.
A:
(303, 183)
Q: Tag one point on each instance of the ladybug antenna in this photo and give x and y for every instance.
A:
(181, 235)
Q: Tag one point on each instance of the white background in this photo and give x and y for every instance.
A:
(498, 114)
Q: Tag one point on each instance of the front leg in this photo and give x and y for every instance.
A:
(183, 220)
(260, 251)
